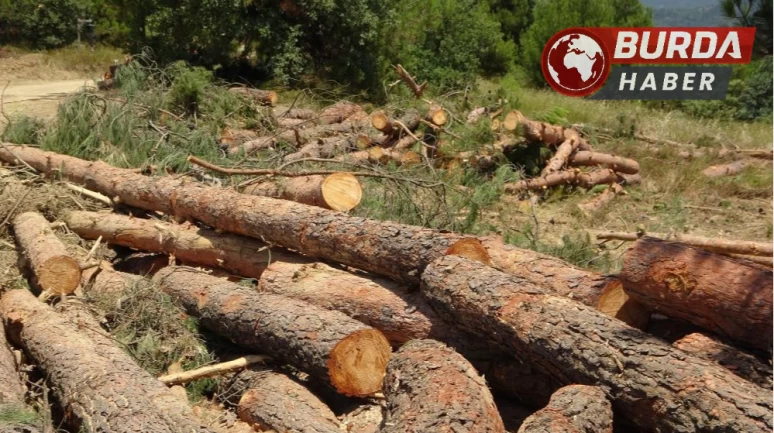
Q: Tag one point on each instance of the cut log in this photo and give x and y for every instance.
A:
(236, 137)
(104, 279)
(328, 345)
(387, 125)
(263, 97)
(436, 115)
(726, 246)
(339, 191)
(573, 409)
(327, 147)
(641, 374)
(299, 136)
(724, 295)
(600, 201)
(55, 271)
(290, 123)
(212, 370)
(430, 387)
(741, 363)
(241, 255)
(294, 113)
(562, 155)
(729, 169)
(120, 396)
(476, 114)
(552, 135)
(565, 177)
(378, 155)
(417, 89)
(12, 388)
(342, 111)
(405, 142)
(275, 401)
(618, 164)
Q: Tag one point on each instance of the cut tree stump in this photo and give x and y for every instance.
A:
(328, 345)
(727, 296)
(741, 363)
(275, 401)
(55, 271)
(240, 255)
(618, 164)
(387, 125)
(431, 388)
(641, 374)
(338, 191)
(718, 245)
(573, 409)
(94, 380)
(263, 97)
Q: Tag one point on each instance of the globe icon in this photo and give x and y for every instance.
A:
(576, 62)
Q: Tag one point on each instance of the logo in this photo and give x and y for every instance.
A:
(603, 61)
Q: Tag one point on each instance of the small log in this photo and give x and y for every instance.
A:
(328, 345)
(140, 263)
(299, 136)
(417, 89)
(339, 191)
(290, 123)
(563, 152)
(294, 113)
(263, 97)
(765, 261)
(628, 179)
(741, 363)
(55, 271)
(275, 401)
(378, 155)
(725, 246)
(579, 345)
(729, 169)
(387, 125)
(238, 254)
(405, 142)
(236, 137)
(327, 147)
(565, 177)
(476, 114)
(430, 387)
(616, 163)
(120, 396)
(342, 111)
(573, 409)
(213, 370)
(601, 200)
(436, 115)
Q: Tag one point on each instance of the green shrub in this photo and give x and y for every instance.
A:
(41, 23)
(23, 130)
(189, 87)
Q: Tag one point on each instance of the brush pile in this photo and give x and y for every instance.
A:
(340, 323)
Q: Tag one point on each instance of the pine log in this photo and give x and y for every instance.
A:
(263, 97)
(104, 279)
(436, 115)
(741, 363)
(119, 396)
(275, 401)
(552, 135)
(725, 246)
(727, 296)
(657, 387)
(404, 142)
(338, 191)
(565, 177)
(430, 387)
(601, 200)
(299, 136)
(342, 111)
(290, 123)
(387, 125)
(327, 147)
(562, 155)
(236, 137)
(417, 89)
(573, 409)
(326, 344)
(241, 255)
(378, 155)
(294, 113)
(729, 169)
(55, 271)
(618, 164)
(12, 388)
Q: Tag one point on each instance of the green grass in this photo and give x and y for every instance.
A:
(23, 130)
(12, 414)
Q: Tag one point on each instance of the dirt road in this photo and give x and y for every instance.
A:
(18, 91)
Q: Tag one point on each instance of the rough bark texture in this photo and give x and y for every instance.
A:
(727, 246)
(741, 363)
(656, 386)
(601, 200)
(563, 152)
(241, 255)
(326, 344)
(390, 126)
(338, 191)
(729, 169)
(95, 381)
(300, 136)
(11, 387)
(573, 409)
(364, 419)
(54, 270)
(436, 115)
(341, 112)
(275, 401)
(616, 163)
(728, 296)
(431, 388)
(327, 147)
(263, 97)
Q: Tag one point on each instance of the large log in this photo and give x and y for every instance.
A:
(95, 381)
(429, 387)
(55, 271)
(328, 345)
(657, 387)
(573, 409)
(741, 363)
(338, 191)
(241, 255)
(725, 295)
(726, 246)
(618, 164)
(299, 136)
(263, 97)
(326, 148)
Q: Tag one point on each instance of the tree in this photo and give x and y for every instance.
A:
(753, 13)
(514, 16)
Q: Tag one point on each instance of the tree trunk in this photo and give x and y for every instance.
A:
(93, 379)
(339, 191)
(387, 125)
(240, 255)
(326, 344)
(431, 388)
(559, 160)
(54, 270)
(263, 97)
(565, 177)
(342, 111)
(725, 295)
(656, 386)
(436, 115)
(725, 246)
(741, 363)
(275, 401)
(573, 409)
(300, 136)
(618, 164)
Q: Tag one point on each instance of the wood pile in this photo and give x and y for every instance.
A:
(470, 319)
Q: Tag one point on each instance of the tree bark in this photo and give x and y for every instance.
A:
(294, 113)
(104, 279)
(54, 270)
(725, 246)
(378, 155)
(600, 201)
(240, 255)
(565, 177)
(342, 111)
(618, 164)
(93, 379)
(562, 155)
(430, 387)
(236, 137)
(573, 409)
(656, 386)
(263, 97)
(339, 191)
(725, 295)
(327, 147)
(300, 136)
(12, 388)
(552, 135)
(275, 401)
(741, 363)
(328, 345)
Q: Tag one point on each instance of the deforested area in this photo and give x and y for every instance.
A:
(372, 217)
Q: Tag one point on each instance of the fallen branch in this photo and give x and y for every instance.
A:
(91, 194)
(617, 163)
(213, 370)
(417, 89)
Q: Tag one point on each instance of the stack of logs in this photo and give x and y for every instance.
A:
(457, 309)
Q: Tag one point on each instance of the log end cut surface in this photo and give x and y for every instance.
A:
(59, 275)
(614, 302)
(358, 362)
(341, 192)
(471, 249)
